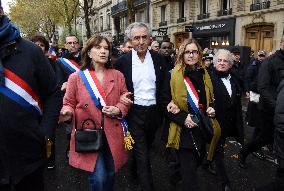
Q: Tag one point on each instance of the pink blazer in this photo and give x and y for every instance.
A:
(78, 101)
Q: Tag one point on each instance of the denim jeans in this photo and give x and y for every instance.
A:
(102, 179)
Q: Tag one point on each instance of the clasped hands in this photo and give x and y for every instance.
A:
(189, 123)
(111, 111)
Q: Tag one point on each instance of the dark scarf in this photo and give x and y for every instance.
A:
(223, 74)
(8, 32)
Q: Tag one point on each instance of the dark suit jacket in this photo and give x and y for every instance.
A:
(279, 123)
(124, 65)
(228, 109)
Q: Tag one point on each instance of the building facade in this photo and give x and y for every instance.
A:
(121, 11)
(102, 21)
(214, 23)
(260, 24)
(220, 23)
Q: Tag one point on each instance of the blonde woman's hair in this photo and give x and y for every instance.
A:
(181, 50)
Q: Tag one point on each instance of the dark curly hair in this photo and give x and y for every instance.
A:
(42, 39)
(91, 42)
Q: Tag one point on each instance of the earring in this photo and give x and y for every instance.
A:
(89, 54)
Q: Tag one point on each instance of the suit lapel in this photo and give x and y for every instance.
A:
(234, 89)
(129, 71)
(156, 67)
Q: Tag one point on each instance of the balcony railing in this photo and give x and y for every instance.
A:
(259, 6)
(203, 16)
(163, 23)
(119, 7)
(182, 19)
(224, 12)
(138, 2)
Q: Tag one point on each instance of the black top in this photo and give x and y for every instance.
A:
(22, 135)
(279, 124)
(270, 75)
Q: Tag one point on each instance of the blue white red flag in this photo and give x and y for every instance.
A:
(192, 96)
(19, 91)
(52, 53)
(70, 64)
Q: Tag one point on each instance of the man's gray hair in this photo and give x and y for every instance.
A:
(225, 52)
(128, 30)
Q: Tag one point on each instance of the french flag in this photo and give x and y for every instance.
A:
(52, 53)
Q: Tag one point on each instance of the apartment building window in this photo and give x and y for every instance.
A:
(101, 23)
(163, 13)
(108, 20)
(203, 7)
(259, 4)
(203, 10)
(225, 4)
(123, 23)
(181, 9)
(163, 16)
(140, 16)
(225, 8)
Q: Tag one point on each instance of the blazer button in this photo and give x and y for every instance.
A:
(86, 105)
(116, 125)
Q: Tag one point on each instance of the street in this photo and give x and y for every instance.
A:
(67, 178)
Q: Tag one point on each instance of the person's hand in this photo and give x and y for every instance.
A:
(210, 112)
(111, 110)
(65, 116)
(64, 86)
(126, 98)
(173, 108)
(189, 123)
(247, 95)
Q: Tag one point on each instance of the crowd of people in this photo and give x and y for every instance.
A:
(195, 95)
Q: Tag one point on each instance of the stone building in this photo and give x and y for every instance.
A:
(260, 24)
(220, 23)
(120, 13)
(102, 20)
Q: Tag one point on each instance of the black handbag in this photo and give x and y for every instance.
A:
(89, 140)
(206, 127)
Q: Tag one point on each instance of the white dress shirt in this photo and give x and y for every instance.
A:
(144, 80)
(227, 83)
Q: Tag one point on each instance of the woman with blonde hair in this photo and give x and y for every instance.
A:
(192, 97)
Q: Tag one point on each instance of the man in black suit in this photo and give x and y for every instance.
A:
(227, 92)
(143, 71)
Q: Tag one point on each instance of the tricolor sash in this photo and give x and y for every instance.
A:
(98, 96)
(192, 96)
(19, 91)
(70, 64)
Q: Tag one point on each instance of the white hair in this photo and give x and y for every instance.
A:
(154, 43)
(224, 52)
(135, 25)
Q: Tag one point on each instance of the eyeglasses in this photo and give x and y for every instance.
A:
(137, 38)
(194, 52)
(72, 43)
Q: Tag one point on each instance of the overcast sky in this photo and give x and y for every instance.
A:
(5, 5)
